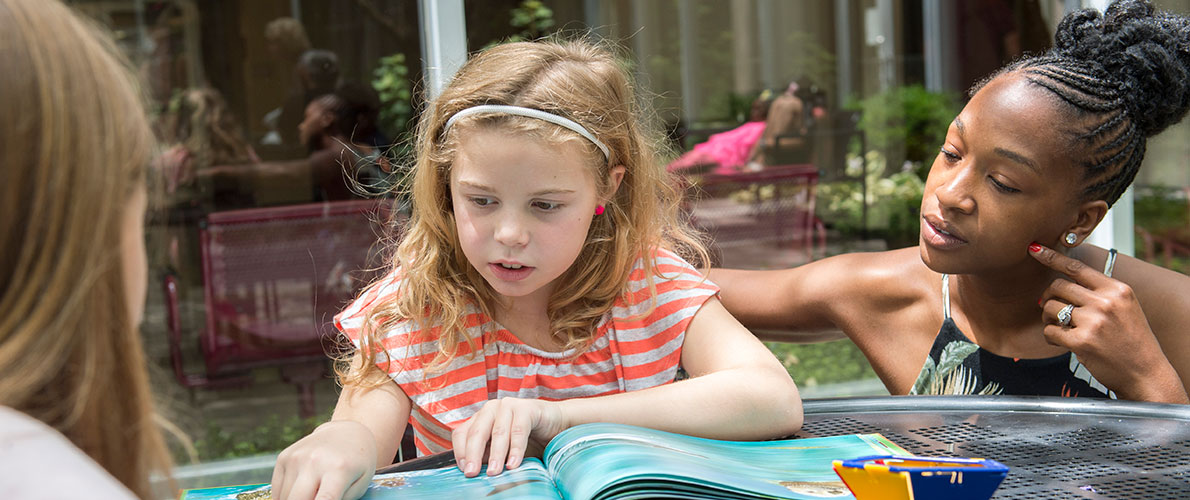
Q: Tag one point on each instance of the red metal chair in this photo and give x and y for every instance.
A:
(273, 278)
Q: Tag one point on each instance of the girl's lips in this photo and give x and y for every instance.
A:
(939, 238)
(507, 274)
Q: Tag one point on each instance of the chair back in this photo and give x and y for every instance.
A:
(274, 278)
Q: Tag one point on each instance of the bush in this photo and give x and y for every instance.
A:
(272, 436)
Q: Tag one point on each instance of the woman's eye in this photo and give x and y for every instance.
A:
(546, 206)
(481, 201)
(951, 157)
(1002, 187)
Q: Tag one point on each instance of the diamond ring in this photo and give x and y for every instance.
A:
(1064, 315)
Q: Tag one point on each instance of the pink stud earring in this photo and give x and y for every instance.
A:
(598, 209)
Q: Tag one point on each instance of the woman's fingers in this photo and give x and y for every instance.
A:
(1075, 269)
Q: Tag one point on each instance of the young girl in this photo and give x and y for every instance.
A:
(537, 287)
(76, 414)
(1000, 296)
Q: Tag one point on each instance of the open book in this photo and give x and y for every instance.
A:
(612, 461)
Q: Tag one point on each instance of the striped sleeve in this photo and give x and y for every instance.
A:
(351, 319)
(650, 323)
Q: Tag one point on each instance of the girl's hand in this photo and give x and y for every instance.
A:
(513, 427)
(1107, 330)
(334, 462)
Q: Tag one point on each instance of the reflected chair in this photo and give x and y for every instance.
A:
(273, 279)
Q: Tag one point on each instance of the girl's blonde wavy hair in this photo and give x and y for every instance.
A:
(578, 80)
(73, 149)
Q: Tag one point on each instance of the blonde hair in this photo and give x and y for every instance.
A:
(200, 121)
(289, 36)
(577, 80)
(73, 149)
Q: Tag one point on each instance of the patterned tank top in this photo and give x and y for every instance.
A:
(957, 365)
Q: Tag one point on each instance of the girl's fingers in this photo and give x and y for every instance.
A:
(475, 439)
(518, 438)
(358, 488)
(276, 486)
(332, 487)
(303, 488)
(498, 449)
(1076, 270)
(458, 443)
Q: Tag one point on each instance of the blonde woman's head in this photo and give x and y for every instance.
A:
(73, 151)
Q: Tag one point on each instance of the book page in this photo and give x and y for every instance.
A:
(606, 461)
(530, 480)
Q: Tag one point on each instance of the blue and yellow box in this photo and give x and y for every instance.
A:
(887, 477)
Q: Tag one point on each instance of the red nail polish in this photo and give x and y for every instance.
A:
(1034, 247)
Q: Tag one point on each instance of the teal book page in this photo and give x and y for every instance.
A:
(530, 480)
(611, 461)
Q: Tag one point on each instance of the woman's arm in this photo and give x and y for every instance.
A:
(337, 459)
(805, 303)
(737, 390)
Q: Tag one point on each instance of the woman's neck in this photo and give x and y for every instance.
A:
(1001, 309)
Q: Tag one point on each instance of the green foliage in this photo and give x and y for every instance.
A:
(894, 201)
(1160, 208)
(908, 117)
(533, 18)
(391, 81)
(271, 436)
(823, 363)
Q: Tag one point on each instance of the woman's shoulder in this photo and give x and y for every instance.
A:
(39, 462)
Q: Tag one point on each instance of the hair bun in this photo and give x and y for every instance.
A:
(1147, 51)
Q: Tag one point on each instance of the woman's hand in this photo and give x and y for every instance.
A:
(1107, 330)
(509, 429)
(334, 462)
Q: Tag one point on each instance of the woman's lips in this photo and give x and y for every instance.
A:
(510, 274)
(938, 237)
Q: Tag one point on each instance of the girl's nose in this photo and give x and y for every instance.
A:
(512, 231)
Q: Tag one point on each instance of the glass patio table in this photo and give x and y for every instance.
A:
(1056, 448)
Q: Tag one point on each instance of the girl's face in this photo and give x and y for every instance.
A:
(522, 208)
(1004, 178)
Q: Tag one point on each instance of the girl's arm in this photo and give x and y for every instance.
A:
(737, 390)
(338, 459)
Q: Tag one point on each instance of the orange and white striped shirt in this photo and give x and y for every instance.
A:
(630, 352)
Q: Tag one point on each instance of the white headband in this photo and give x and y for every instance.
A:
(531, 113)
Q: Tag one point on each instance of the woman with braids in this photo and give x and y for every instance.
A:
(1001, 296)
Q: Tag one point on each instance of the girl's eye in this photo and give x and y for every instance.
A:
(546, 206)
(480, 201)
(1000, 186)
(950, 157)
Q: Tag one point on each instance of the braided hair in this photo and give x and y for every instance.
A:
(1125, 75)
